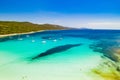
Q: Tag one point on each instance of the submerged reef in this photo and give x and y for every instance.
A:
(109, 48)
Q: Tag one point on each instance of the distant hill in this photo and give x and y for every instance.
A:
(10, 27)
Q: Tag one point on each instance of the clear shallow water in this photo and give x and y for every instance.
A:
(16, 55)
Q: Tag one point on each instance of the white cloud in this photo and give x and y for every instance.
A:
(76, 20)
(105, 25)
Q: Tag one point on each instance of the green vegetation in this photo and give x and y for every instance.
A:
(10, 27)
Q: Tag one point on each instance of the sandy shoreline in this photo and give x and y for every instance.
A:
(7, 35)
(14, 34)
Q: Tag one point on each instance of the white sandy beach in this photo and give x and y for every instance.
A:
(14, 34)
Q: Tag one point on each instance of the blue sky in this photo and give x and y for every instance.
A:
(73, 13)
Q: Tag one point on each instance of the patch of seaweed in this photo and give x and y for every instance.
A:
(56, 50)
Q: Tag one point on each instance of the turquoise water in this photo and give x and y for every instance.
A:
(16, 55)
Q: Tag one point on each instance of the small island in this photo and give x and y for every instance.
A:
(8, 28)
